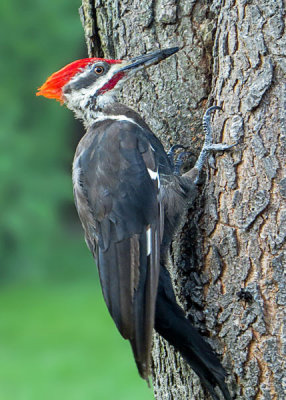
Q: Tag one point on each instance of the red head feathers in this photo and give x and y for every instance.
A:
(52, 88)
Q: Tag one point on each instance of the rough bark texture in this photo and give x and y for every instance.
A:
(233, 55)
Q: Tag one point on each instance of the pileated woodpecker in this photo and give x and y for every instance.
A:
(129, 200)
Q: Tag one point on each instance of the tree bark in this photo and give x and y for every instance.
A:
(228, 261)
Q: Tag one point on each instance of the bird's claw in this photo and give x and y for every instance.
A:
(172, 151)
(208, 143)
(180, 161)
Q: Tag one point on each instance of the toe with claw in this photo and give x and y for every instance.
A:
(180, 161)
(208, 143)
(171, 153)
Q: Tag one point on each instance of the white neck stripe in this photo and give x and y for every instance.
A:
(115, 118)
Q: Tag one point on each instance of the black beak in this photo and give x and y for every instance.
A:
(147, 60)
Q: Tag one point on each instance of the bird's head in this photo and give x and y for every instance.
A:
(93, 81)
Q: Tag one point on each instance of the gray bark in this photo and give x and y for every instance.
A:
(233, 55)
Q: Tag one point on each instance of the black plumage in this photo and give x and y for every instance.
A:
(122, 201)
(120, 209)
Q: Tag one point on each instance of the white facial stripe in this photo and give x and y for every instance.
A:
(105, 99)
(149, 240)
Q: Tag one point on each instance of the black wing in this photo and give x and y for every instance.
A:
(117, 194)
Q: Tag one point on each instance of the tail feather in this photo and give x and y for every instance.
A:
(171, 323)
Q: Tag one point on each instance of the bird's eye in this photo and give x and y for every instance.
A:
(98, 70)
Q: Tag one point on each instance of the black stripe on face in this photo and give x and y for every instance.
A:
(87, 80)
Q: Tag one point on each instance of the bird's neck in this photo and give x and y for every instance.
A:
(93, 109)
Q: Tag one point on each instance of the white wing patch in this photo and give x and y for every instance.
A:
(149, 241)
(76, 173)
(154, 175)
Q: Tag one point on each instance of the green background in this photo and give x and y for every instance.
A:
(57, 340)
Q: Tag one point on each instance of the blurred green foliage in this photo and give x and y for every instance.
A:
(39, 230)
(57, 340)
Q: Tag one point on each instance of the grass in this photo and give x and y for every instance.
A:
(58, 342)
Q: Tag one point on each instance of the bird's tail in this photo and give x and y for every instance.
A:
(171, 323)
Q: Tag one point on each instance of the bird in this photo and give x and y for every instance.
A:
(130, 199)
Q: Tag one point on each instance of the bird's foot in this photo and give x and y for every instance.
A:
(179, 161)
(209, 146)
(171, 153)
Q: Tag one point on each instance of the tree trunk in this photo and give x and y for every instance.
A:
(228, 261)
